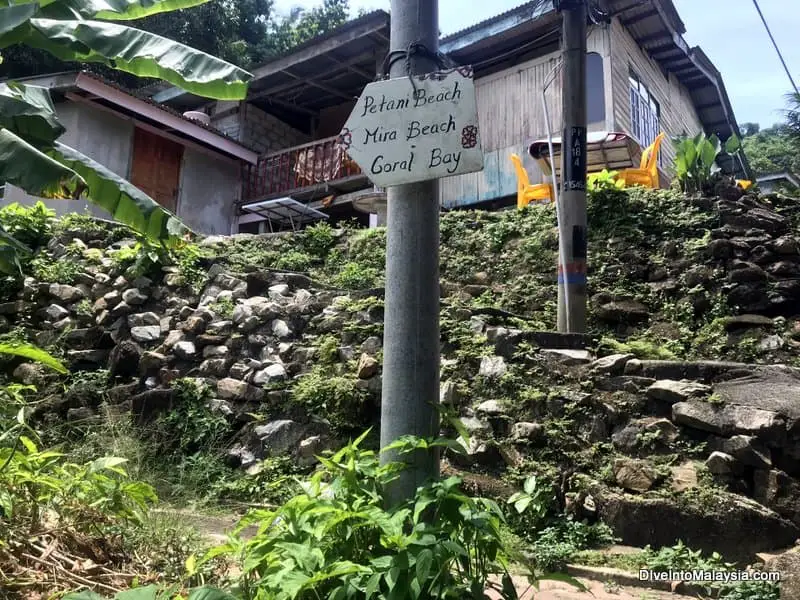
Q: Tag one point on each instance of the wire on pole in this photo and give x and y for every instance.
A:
(774, 43)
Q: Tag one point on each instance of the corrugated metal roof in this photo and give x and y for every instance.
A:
(522, 8)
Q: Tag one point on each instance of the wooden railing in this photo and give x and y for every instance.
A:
(318, 162)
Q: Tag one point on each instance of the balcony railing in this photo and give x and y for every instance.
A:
(318, 162)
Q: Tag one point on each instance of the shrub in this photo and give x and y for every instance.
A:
(318, 239)
(336, 397)
(294, 261)
(32, 225)
(355, 276)
(45, 268)
(337, 539)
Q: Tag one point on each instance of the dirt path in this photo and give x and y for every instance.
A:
(556, 590)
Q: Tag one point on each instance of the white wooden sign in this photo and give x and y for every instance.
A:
(397, 135)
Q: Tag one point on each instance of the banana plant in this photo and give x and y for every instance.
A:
(32, 158)
(696, 159)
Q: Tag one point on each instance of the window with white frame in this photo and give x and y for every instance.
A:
(645, 112)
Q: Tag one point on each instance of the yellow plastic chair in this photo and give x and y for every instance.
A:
(647, 173)
(540, 193)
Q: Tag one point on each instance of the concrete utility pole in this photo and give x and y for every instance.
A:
(411, 324)
(573, 231)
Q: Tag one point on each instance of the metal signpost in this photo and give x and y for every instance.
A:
(405, 133)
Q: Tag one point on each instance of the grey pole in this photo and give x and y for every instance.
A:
(573, 229)
(411, 323)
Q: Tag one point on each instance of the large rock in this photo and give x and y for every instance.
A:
(788, 565)
(146, 333)
(54, 312)
(279, 438)
(611, 365)
(272, 374)
(185, 350)
(143, 319)
(748, 450)
(734, 526)
(668, 390)
(635, 475)
(233, 389)
(367, 367)
(124, 359)
(134, 297)
(776, 490)
(493, 367)
(771, 389)
(730, 419)
(719, 463)
(65, 293)
(623, 312)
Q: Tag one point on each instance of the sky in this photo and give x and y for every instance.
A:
(729, 31)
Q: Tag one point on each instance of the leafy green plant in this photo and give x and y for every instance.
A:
(604, 180)
(355, 276)
(31, 225)
(536, 499)
(681, 557)
(752, 590)
(556, 545)
(223, 307)
(155, 592)
(338, 540)
(294, 261)
(45, 268)
(696, 160)
(191, 425)
(318, 238)
(337, 397)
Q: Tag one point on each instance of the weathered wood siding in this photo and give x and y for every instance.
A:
(678, 114)
(511, 115)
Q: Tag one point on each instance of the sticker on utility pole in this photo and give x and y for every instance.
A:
(404, 131)
(575, 159)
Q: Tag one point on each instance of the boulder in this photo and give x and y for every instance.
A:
(185, 350)
(65, 293)
(280, 329)
(736, 527)
(776, 490)
(215, 351)
(124, 359)
(719, 463)
(272, 374)
(449, 394)
(670, 391)
(730, 419)
(623, 312)
(611, 365)
(279, 438)
(748, 450)
(367, 367)
(770, 389)
(635, 475)
(746, 321)
(134, 297)
(527, 432)
(146, 333)
(493, 367)
(372, 345)
(54, 312)
(788, 565)
(143, 319)
(492, 408)
(233, 389)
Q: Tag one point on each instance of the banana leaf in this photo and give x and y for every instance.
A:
(134, 51)
(28, 111)
(27, 167)
(123, 10)
(125, 202)
(13, 16)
